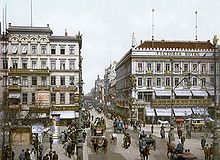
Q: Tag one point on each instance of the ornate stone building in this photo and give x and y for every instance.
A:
(42, 71)
(160, 79)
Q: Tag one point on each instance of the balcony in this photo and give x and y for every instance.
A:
(43, 87)
(14, 87)
(167, 72)
(20, 71)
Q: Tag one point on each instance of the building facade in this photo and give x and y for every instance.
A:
(42, 70)
(163, 79)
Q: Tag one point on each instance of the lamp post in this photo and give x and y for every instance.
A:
(80, 140)
(215, 134)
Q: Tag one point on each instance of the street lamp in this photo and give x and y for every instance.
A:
(215, 134)
(80, 140)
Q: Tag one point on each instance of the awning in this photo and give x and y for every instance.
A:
(183, 93)
(199, 93)
(65, 114)
(182, 111)
(163, 111)
(149, 111)
(163, 93)
(200, 111)
(212, 93)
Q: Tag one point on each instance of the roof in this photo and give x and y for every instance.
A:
(63, 38)
(176, 45)
(29, 29)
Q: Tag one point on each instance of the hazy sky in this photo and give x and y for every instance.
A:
(107, 25)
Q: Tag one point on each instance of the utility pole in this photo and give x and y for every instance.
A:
(215, 135)
(80, 140)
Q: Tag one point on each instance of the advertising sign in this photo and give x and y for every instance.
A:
(42, 98)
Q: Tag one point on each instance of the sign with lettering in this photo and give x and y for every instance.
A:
(42, 98)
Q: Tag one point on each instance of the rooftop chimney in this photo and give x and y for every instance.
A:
(48, 25)
(141, 41)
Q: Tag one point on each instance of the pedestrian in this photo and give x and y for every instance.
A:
(69, 149)
(13, 155)
(92, 117)
(84, 134)
(22, 155)
(51, 142)
(50, 154)
(27, 155)
(32, 154)
(211, 151)
(207, 152)
(55, 155)
(65, 146)
(152, 129)
(203, 141)
(179, 147)
(183, 139)
(179, 132)
(46, 157)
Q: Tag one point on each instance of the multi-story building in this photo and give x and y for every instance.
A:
(98, 92)
(43, 70)
(167, 78)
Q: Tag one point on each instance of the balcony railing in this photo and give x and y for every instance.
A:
(14, 87)
(20, 71)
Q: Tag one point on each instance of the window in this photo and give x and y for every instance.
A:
(158, 82)
(24, 81)
(34, 64)
(139, 95)
(14, 64)
(139, 67)
(53, 64)
(62, 65)
(149, 82)
(176, 67)
(195, 67)
(71, 98)
(62, 50)
(62, 80)
(167, 67)
(43, 49)
(212, 68)
(185, 67)
(194, 82)
(53, 50)
(212, 81)
(14, 49)
(71, 80)
(24, 50)
(43, 81)
(158, 67)
(33, 98)
(62, 97)
(24, 98)
(72, 65)
(203, 82)
(34, 80)
(34, 49)
(72, 49)
(139, 81)
(149, 67)
(24, 64)
(4, 48)
(53, 80)
(203, 68)
(43, 64)
(176, 81)
(167, 81)
(53, 98)
(5, 80)
(5, 64)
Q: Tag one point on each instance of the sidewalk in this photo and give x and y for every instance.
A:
(193, 144)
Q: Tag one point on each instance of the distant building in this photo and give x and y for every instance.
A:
(42, 70)
(156, 76)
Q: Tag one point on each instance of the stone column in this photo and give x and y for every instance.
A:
(56, 128)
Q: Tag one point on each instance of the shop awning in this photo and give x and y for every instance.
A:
(183, 93)
(212, 93)
(182, 111)
(149, 111)
(200, 111)
(199, 93)
(162, 93)
(163, 111)
(65, 114)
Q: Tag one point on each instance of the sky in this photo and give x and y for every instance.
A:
(107, 25)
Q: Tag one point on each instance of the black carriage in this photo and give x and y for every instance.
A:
(182, 156)
(151, 142)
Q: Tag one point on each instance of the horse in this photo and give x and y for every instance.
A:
(170, 149)
(145, 152)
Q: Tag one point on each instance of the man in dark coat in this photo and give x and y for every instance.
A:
(55, 155)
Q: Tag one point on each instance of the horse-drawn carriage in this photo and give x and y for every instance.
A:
(151, 142)
(118, 126)
(99, 142)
